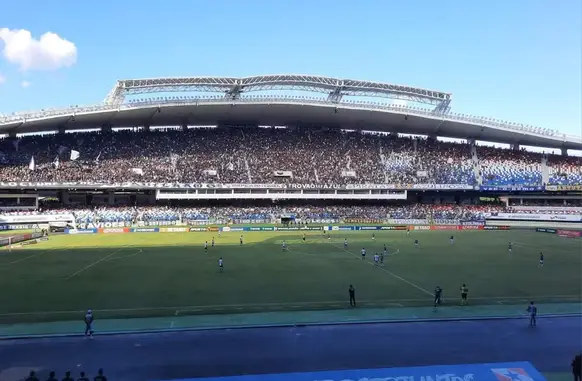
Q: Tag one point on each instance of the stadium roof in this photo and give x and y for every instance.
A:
(232, 107)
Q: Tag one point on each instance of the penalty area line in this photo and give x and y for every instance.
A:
(95, 263)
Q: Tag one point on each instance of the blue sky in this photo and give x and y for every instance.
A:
(517, 60)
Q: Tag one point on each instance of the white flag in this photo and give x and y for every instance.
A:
(74, 155)
(56, 163)
(31, 165)
(137, 171)
(97, 158)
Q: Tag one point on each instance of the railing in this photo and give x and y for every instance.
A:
(195, 101)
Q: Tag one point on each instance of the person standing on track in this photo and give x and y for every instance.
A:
(577, 367)
(464, 292)
(533, 312)
(89, 324)
(352, 292)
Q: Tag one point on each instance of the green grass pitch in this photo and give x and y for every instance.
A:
(162, 274)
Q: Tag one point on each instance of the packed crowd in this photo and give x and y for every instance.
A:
(270, 155)
(303, 213)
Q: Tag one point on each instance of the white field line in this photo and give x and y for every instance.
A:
(139, 251)
(95, 263)
(177, 309)
(37, 255)
(424, 290)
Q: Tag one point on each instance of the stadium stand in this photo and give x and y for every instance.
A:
(271, 155)
(302, 212)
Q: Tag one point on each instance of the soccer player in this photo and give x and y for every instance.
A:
(363, 253)
(345, 243)
(241, 239)
(89, 324)
(212, 241)
(219, 232)
(533, 311)
(381, 259)
(376, 259)
(452, 240)
(284, 247)
(464, 292)
(352, 292)
(220, 265)
(206, 246)
(303, 237)
(541, 260)
(385, 252)
(416, 243)
(509, 247)
(100, 376)
(408, 230)
(438, 293)
(373, 236)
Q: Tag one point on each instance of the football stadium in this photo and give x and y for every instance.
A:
(240, 207)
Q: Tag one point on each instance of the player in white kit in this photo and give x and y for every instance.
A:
(220, 265)
(376, 259)
(363, 253)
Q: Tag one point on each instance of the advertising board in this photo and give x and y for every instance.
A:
(522, 371)
(536, 217)
(569, 233)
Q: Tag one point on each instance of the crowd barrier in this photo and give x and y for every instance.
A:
(329, 228)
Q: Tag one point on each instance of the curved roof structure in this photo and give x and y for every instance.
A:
(234, 107)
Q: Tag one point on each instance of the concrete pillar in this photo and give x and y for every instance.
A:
(471, 142)
(12, 134)
(61, 130)
(106, 128)
(146, 127)
(564, 152)
(111, 198)
(184, 127)
(515, 147)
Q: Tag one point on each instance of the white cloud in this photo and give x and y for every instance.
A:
(2, 79)
(50, 52)
(25, 84)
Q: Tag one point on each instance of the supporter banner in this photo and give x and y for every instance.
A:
(562, 188)
(229, 229)
(145, 230)
(201, 229)
(261, 229)
(443, 186)
(363, 221)
(158, 185)
(537, 217)
(102, 225)
(157, 223)
(496, 227)
(546, 230)
(521, 188)
(408, 221)
(17, 227)
(34, 218)
(569, 233)
(522, 371)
